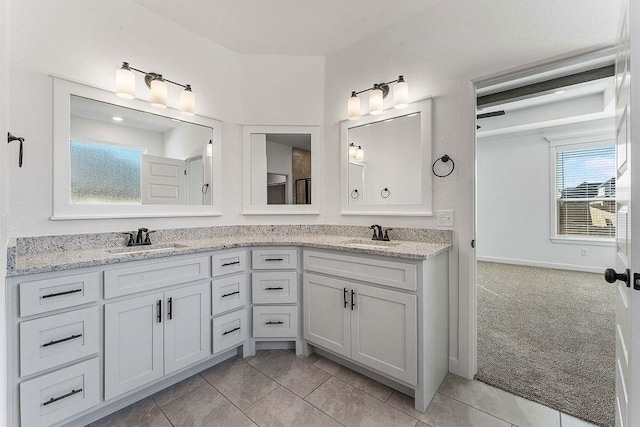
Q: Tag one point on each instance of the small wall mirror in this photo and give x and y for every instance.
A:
(114, 160)
(386, 161)
(280, 165)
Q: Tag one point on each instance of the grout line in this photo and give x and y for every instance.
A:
(163, 413)
(479, 409)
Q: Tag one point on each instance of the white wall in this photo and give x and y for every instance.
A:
(4, 120)
(279, 161)
(185, 141)
(441, 51)
(83, 129)
(258, 168)
(514, 206)
(87, 41)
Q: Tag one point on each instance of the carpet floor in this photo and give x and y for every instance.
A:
(549, 336)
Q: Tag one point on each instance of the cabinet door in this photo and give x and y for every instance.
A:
(186, 328)
(326, 313)
(133, 346)
(383, 331)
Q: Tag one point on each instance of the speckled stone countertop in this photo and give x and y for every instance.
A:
(55, 253)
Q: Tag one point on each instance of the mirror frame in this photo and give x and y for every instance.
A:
(423, 107)
(63, 209)
(250, 209)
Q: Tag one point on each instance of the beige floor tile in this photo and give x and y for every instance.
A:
(374, 388)
(329, 366)
(144, 413)
(499, 403)
(311, 359)
(283, 408)
(569, 421)
(205, 406)
(353, 407)
(445, 412)
(177, 390)
(242, 384)
(284, 367)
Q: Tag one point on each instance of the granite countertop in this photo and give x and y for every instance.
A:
(41, 262)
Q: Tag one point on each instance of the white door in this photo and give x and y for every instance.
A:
(163, 181)
(195, 178)
(186, 328)
(327, 313)
(383, 331)
(628, 253)
(132, 344)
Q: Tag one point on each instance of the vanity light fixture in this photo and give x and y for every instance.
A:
(126, 88)
(378, 92)
(117, 119)
(360, 153)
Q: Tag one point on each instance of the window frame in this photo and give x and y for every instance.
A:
(583, 140)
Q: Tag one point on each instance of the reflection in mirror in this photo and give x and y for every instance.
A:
(124, 156)
(388, 169)
(280, 169)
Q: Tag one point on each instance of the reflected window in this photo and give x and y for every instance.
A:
(102, 173)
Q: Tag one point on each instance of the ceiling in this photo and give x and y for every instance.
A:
(286, 27)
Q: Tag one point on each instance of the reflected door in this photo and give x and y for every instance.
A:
(163, 181)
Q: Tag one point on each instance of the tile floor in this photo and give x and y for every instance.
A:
(276, 388)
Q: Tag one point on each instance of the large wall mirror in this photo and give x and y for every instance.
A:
(386, 163)
(121, 158)
(280, 169)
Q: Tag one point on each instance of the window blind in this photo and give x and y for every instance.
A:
(585, 191)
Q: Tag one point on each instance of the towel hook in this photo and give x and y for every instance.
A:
(10, 139)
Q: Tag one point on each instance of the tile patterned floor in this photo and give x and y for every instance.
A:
(276, 388)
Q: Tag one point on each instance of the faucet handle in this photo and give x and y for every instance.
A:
(147, 240)
(386, 234)
(130, 242)
(144, 230)
(375, 235)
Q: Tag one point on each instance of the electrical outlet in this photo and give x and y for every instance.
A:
(584, 252)
(444, 218)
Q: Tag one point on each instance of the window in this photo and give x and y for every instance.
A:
(585, 190)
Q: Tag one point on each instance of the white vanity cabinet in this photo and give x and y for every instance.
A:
(373, 326)
(154, 335)
(385, 314)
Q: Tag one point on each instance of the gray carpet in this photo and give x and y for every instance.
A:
(548, 335)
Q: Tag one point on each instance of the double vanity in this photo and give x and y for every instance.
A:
(95, 327)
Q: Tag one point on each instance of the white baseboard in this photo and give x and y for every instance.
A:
(542, 264)
(454, 366)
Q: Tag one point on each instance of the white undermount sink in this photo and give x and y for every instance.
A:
(370, 244)
(147, 249)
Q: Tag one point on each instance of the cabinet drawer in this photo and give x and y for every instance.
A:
(229, 293)
(273, 259)
(51, 398)
(230, 330)
(275, 321)
(40, 296)
(396, 274)
(129, 280)
(274, 287)
(58, 339)
(231, 262)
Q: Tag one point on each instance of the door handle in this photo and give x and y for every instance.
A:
(345, 297)
(611, 276)
(170, 312)
(159, 307)
(353, 300)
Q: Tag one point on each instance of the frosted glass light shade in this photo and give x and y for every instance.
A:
(359, 153)
(125, 83)
(187, 102)
(375, 102)
(401, 94)
(353, 107)
(209, 150)
(158, 97)
(352, 151)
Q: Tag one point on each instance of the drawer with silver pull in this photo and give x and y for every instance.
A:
(274, 259)
(230, 330)
(228, 263)
(274, 287)
(53, 397)
(229, 293)
(40, 296)
(275, 321)
(54, 340)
